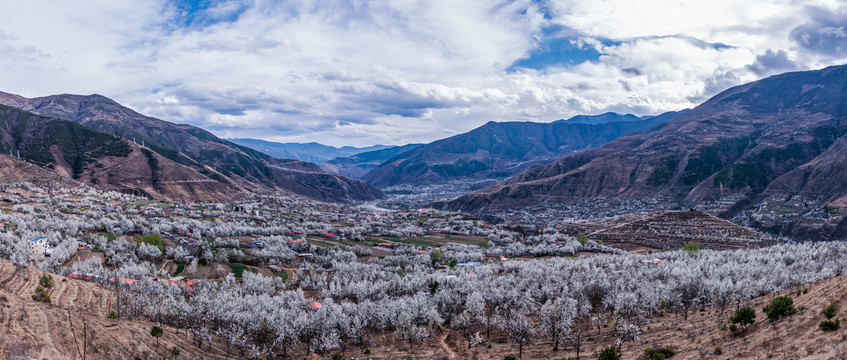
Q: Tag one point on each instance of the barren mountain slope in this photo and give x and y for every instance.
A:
(499, 149)
(739, 141)
(197, 148)
(102, 160)
(671, 230)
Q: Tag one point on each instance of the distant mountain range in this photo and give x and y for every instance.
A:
(611, 117)
(781, 136)
(173, 154)
(311, 152)
(498, 150)
(604, 118)
(358, 165)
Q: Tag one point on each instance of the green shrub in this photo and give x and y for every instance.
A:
(113, 315)
(610, 353)
(41, 295)
(661, 352)
(509, 357)
(175, 351)
(157, 333)
(828, 325)
(743, 316)
(830, 310)
(779, 307)
(338, 356)
(718, 351)
(691, 248)
(367, 351)
(203, 261)
(46, 281)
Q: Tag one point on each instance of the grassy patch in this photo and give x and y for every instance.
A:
(179, 269)
(238, 269)
(282, 275)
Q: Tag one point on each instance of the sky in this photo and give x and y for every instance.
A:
(360, 73)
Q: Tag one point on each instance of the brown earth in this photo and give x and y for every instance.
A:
(166, 180)
(672, 229)
(52, 331)
(15, 170)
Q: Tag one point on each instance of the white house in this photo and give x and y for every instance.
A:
(39, 246)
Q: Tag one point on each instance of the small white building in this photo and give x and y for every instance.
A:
(39, 247)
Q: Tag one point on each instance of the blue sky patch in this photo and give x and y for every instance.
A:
(202, 13)
(557, 51)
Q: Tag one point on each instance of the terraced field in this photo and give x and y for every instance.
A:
(48, 329)
(672, 229)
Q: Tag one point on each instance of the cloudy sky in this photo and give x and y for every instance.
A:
(354, 72)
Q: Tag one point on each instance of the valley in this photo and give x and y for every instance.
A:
(715, 232)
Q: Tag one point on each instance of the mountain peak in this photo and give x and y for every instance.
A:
(607, 117)
(196, 150)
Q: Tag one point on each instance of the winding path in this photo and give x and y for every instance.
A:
(442, 343)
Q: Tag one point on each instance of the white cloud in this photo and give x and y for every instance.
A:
(357, 73)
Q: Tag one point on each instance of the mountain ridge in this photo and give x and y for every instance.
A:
(357, 166)
(498, 150)
(766, 138)
(97, 159)
(198, 149)
(312, 151)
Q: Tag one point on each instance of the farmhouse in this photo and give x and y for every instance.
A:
(255, 244)
(295, 242)
(39, 246)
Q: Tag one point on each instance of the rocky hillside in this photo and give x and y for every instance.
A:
(15, 170)
(105, 161)
(671, 230)
(198, 149)
(777, 136)
(498, 150)
(356, 166)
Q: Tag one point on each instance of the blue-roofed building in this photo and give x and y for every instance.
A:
(39, 247)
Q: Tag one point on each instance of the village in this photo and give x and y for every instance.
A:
(69, 229)
(433, 277)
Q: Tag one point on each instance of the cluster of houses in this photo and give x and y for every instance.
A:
(178, 281)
